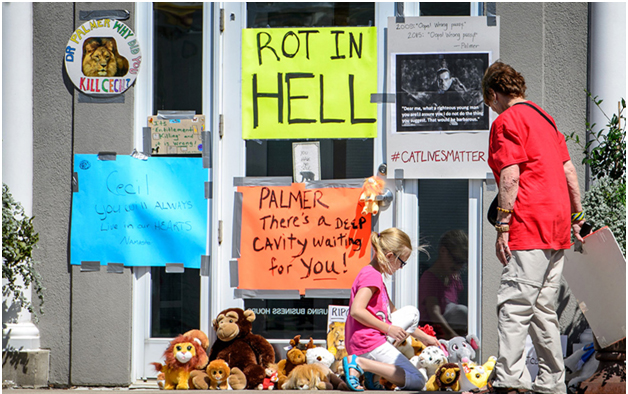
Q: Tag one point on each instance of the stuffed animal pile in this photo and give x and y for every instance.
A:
(239, 359)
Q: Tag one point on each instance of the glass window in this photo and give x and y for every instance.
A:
(340, 159)
(443, 276)
(175, 302)
(178, 54)
(283, 319)
(445, 9)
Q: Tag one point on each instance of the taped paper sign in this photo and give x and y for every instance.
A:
(309, 83)
(297, 238)
(439, 126)
(139, 213)
(176, 136)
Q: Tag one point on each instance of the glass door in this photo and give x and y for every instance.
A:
(280, 320)
(165, 303)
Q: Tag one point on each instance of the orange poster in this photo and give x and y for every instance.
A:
(298, 238)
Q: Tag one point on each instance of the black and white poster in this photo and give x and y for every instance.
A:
(440, 92)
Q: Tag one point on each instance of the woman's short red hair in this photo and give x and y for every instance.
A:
(504, 79)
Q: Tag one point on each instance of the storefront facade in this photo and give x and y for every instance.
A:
(105, 328)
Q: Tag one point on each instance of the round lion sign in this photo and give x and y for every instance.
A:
(103, 57)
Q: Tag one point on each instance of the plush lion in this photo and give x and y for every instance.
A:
(239, 347)
(447, 377)
(182, 357)
(218, 372)
(101, 58)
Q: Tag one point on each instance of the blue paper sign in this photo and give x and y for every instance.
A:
(139, 213)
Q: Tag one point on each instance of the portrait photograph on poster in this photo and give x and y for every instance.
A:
(440, 92)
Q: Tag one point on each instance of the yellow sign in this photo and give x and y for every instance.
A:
(309, 83)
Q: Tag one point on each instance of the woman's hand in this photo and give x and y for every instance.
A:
(576, 227)
(501, 248)
(397, 333)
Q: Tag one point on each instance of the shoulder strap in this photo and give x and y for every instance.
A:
(540, 113)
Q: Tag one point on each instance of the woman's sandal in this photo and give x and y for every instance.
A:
(352, 381)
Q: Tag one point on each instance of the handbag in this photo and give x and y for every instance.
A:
(491, 214)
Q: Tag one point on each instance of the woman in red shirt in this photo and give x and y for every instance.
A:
(538, 205)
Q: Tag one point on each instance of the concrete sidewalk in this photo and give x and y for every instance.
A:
(92, 390)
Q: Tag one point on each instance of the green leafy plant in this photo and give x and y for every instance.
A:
(605, 153)
(19, 239)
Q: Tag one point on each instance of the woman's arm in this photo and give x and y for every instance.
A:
(508, 189)
(574, 196)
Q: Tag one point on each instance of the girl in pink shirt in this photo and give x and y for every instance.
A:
(369, 323)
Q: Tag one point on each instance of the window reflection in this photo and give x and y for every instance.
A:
(443, 283)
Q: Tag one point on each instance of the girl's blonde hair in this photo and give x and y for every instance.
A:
(390, 240)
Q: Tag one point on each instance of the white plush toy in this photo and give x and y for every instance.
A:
(319, 355)
(581, 365)
(429, 360)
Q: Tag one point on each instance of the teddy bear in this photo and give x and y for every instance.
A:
(294, 357)
(182, 356)
(461, 348)
(475, 376)
(446, 378)
(429, 360)
(239, 347)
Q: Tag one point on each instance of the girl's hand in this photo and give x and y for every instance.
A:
(430, 341)
(397, 333)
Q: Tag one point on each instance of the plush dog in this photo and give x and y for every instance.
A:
(239, 347)
(429, 360)
(446, 378)
(308, 377)
(320, 355)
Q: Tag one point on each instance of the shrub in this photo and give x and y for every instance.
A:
(18, 267)
(605, 153)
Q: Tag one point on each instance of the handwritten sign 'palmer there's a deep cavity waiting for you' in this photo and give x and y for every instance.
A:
(139, 213)
(298, 238)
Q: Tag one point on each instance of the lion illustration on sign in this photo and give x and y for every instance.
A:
(101, 58)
